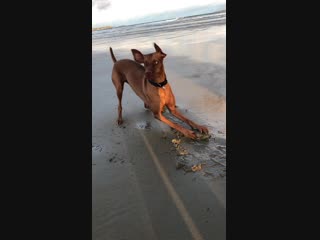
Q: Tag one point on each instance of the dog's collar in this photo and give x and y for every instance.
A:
(161, 84)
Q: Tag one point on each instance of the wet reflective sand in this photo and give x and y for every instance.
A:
(137, 191)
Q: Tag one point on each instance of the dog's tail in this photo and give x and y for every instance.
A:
(112, 55)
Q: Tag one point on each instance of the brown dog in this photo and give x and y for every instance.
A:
(150, 84)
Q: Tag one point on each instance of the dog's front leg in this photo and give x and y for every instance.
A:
(186, 132)
(178, 115)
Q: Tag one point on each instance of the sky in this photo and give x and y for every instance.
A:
(118, 12)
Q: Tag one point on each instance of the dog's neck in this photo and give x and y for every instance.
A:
(160, 84)
(160, 78)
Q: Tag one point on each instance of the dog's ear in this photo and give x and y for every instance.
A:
(137, 55)
(158, 49)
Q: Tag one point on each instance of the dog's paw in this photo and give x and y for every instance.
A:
(190, 134)
(203, 129)
(119, 121)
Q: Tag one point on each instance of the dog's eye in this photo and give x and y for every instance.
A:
(156, 62)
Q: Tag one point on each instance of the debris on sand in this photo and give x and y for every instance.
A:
(186, 168)
(199, 136)
(178, 134)
(176, 142)
(180, 150)
(203, 136)
(196, 168)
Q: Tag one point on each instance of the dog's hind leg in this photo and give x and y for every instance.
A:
(118, 83)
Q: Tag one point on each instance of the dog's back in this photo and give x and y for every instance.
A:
(127, 70)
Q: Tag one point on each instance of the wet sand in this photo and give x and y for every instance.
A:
(137, 191)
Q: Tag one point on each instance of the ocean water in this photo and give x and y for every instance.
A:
(167, 29)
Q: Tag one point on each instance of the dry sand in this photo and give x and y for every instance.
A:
(137, 191)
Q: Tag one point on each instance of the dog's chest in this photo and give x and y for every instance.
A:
(165, 93)
(156, 95)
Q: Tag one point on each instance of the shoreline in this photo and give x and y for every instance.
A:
(100, 28)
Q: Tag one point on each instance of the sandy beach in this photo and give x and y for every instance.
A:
(137, 191)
